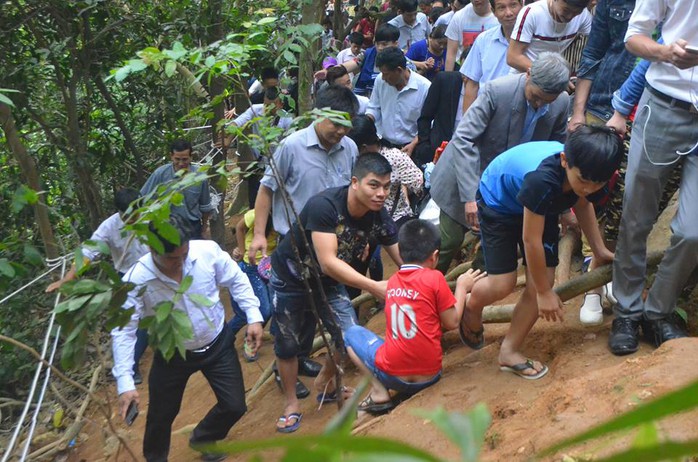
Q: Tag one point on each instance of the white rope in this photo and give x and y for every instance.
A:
(53, 264)
(37, 374)
(42, 393)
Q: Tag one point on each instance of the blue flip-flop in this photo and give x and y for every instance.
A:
(331, 396)
(292, 428)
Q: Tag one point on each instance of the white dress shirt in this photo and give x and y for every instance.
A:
(679, 22)
(210, 267)
(396, 112)
(124, 247)
(409, 34)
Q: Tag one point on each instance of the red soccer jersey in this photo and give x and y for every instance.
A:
(414, 301)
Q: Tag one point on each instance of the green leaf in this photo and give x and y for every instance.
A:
(681, 400)
(177, 51)
(5, 100)
(267, 20)
(656, 453)
(6, 268)
(377, 447)
(166, 230)
(201, 300)
(121, 73)
(210, 61)
(185, 284)
(136, 65)
(646, 436)
(24, 196)
(72, 304)
(465, 430)
(170, 68)
(290, 57)
(163, 311)
(32, 255)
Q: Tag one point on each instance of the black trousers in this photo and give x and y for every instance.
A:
(166, 384)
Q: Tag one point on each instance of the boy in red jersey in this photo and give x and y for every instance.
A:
(418, 306)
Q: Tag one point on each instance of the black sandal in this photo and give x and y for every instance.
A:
(370, 406)
(474, 340)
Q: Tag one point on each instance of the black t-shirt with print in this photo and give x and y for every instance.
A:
(327, 213)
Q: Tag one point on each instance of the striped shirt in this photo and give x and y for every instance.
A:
(536, 27)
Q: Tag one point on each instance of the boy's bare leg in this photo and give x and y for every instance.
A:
(288, 370)
(379, 393)
(485, 292)
(524, 317)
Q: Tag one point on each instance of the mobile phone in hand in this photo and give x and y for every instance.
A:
(131, 413)
(692, 49)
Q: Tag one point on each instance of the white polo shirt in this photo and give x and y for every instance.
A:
(410, 34)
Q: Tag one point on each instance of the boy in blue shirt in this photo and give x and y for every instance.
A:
(521, 196)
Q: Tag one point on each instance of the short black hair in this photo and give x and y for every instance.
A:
(417, 240)
(124, 198)
(493, 1)
(356, 38)
(363, 131)
(269, 73)
(407, 6)
(438, 32)
(180, 145)
(271, 93)
(182, 227)
(436, 13)
(578, 3)
(596, 150)
(335, 72)
(371, 163)
(392, 58)
(337, 98)
(387, 33)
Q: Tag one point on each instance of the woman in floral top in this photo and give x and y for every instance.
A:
(406, 177)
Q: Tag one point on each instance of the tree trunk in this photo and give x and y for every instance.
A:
(128, 139)
(215, 33)
(311, 13)
(31, 176)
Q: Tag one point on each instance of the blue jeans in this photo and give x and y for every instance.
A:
(365, 344)
(261, 291)
(294, 321)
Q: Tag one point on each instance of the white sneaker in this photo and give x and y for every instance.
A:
(608, 293)
(591, 312)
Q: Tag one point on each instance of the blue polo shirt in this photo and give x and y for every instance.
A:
(487, 59)
(529, 175)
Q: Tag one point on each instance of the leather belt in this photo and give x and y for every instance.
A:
(205, 348)
(679, 103)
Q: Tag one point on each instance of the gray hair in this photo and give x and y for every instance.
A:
(550, 72)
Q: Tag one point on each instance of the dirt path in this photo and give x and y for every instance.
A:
(586, 385)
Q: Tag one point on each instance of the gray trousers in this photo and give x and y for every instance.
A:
(658, 132)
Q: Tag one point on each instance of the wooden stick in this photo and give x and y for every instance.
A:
(568, 243)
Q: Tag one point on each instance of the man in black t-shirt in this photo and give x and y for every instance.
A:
(342, 226)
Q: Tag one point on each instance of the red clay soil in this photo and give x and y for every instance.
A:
(586, 385)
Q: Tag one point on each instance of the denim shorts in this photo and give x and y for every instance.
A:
(294, 321)
(365, 344)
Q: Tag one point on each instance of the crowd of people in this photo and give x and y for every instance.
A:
(512, 117)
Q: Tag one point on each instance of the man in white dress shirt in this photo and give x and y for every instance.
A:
(158, 278)
(665, 135)
(397, 100)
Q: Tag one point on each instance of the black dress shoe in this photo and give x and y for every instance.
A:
(658, 331)
(308, 367)
(206, 456)
(301, 390)
(623, 339)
